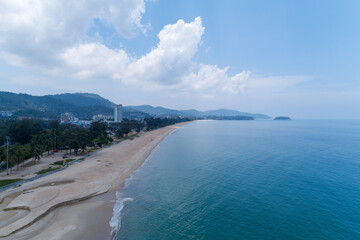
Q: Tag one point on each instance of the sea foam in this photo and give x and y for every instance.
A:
(115, 222)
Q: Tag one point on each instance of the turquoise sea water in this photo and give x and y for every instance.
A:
(247, 180)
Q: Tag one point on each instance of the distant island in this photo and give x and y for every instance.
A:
(282, 118)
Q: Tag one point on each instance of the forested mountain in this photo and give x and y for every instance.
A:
(85, 105)
(160, 111)
(83, 99)
(233, 113)
(82, 105)
(157, 111)
(12, 101)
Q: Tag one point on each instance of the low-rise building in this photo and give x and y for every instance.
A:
(101, 117)
(6, 113)
(68, 118)
(82, 123)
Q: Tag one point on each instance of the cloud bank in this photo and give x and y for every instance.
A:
(52, 36)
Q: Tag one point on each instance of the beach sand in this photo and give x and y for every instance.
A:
(76, 203)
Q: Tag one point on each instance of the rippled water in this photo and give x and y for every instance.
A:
(248, 180)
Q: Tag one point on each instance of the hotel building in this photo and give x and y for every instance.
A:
(118, 113)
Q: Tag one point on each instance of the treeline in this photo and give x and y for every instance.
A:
(31, 138)
(154, 123)
(147, 124)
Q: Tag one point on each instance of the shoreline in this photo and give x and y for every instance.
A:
(50, 201)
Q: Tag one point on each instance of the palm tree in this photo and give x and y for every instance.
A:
(19, 156)
(36, 150)
(36, 153)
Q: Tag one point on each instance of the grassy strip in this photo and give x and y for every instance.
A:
(131, 137)
(46, 170)
(9, 181)
(93, 149)
(63, 162)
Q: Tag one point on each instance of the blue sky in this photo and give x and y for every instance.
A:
(297, 58)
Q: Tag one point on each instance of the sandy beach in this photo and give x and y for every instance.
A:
(76, 203)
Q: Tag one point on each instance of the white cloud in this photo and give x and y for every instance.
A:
(167, 63)
(95, 60)
(169, 66)
(216, 80)
(52, 36)
(34, 32)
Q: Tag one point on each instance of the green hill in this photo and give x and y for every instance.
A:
(157, 111)
(160, 111)
(83, 99)
(13, 102)
(85, 105)
(82, 105)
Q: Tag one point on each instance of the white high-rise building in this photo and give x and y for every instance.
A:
(118, 113)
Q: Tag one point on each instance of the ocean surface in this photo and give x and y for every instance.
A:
(258, 180)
